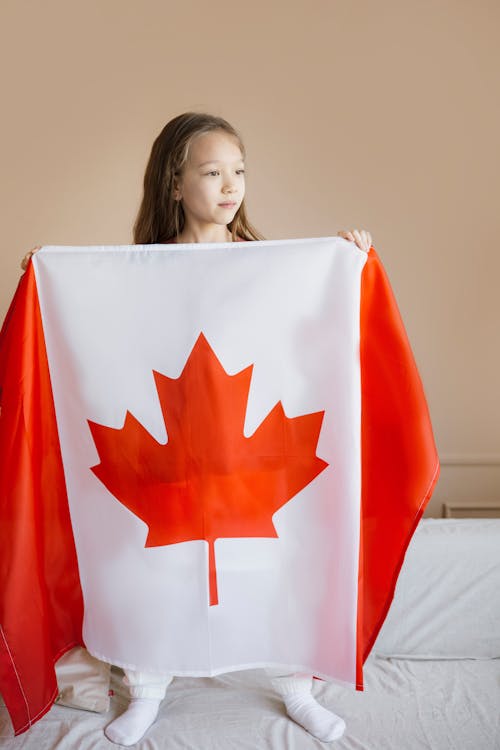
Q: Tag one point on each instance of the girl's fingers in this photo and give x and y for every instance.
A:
(26, 260)
(27, 257)
(357, 239)
(367, 240)
(362, 239)
(346, 235)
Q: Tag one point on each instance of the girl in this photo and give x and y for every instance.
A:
(194, 189)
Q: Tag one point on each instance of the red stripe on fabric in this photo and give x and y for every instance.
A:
(400, 465)
(41, 605)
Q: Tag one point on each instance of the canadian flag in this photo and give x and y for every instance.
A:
(213, 457)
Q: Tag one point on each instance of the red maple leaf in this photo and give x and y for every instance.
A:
(209, 480)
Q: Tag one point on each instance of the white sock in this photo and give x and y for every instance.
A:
(318, 721)
(128, 728)
(302, 707)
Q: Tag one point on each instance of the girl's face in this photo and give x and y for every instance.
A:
(212, 185)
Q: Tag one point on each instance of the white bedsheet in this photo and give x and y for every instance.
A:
(406, 705)
(447, 599)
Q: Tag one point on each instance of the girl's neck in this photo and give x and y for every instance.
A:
(217, 234)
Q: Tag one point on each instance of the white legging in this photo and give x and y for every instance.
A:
(149, 685)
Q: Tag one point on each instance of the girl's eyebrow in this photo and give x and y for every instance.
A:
(218, 161)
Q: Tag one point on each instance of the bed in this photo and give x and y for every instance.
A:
(432, 679)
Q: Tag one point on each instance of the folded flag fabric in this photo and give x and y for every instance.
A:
(213, 457)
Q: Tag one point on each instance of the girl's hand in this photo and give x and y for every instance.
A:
(363, 239)
(27, 257)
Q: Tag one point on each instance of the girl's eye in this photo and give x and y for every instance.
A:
(215, 172)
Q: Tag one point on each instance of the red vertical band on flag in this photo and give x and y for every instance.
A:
(41, 606)
(400, 465)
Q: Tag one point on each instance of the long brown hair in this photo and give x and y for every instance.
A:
(160, 216)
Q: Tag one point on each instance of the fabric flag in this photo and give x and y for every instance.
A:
(213, 456)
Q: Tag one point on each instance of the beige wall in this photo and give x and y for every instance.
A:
(383, 115)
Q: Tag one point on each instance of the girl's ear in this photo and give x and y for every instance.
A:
(177, 191)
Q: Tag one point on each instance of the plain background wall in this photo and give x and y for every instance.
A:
(380, 115)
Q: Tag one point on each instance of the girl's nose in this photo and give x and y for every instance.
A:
(229, 184)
